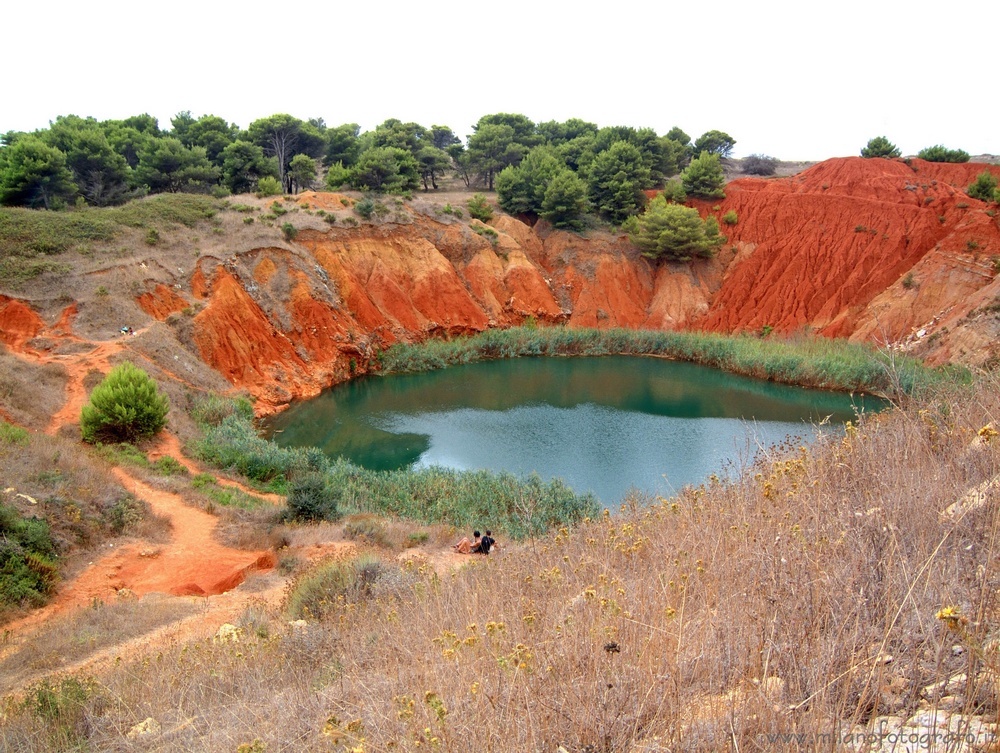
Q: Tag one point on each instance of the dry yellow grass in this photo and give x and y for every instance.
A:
(799, 597)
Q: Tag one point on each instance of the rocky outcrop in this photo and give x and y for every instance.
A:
(877, 250)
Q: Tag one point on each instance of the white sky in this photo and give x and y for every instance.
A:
(795, 80)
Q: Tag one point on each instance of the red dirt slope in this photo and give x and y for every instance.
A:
(815, 250)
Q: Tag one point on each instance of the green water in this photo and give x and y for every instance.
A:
(601, 424)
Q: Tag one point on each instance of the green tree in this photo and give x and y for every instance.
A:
(525, 133)
(434, 163)
(301, 172)
(520, 189)
(396, 133)
(281, 136)
(125, 406)
(442, 137)
(492, 148)
(673, 191)
(983, 187)
(880, 146)
(101, 174)
(715, 142)
(387, 168)
(243, 165)
(616, 180)
(342, 144)
(479, 208)
(704, 177)
(939, 153)
(214, 134)
(565, 200)
(169, 166)
(34, 174)
(674, 232)
(555, 133)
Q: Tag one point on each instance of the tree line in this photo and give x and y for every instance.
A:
(565, 172)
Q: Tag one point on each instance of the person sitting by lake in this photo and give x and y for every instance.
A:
(486, 543)
(467, 547)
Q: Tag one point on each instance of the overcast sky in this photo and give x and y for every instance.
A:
(794, 80)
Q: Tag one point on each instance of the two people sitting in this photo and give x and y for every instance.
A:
(479, 544)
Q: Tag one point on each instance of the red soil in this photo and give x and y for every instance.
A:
(816, 249)
(161, 302)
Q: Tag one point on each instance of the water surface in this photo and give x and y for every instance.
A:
(601, 424)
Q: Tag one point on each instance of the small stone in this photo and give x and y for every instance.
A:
(148, 727)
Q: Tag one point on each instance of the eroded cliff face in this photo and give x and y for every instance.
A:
(867, 249)
(874, 250)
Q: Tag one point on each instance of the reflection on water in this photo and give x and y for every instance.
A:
(601, 424)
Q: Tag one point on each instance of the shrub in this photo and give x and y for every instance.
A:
(673, 191)
(670, 231)
(369, 530)
(152, 236)
(289, 231)
(880, 146)
(212, 410)
(984, 187)
(310, 499)
(939, 153)
(125, 406)
(28, 573)
(480, 208)
(268, 186)
(908, 281)
(730, 217)
(759, 164)
(317, 592)
(704, 177)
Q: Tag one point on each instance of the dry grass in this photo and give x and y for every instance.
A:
(30, 394)
(86, 631)
(799, 597)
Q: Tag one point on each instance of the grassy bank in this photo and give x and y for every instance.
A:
(800, 597)
(517, 506)
(32, 240)
(809, 362)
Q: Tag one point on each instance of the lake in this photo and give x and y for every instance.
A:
(603, 425)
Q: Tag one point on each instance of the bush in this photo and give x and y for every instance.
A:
(28, 573)
(673, 191)
(939, 153)
(704, 177)
(289, 231)
(480, 208)
(268, 186)
(317, 593)
(125, 406)
(984, 187)
(674, 232)
(880, 146)
(759, 164)
(730, 217)
(310, 499)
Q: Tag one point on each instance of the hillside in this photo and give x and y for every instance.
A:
(851, 547)
(873, 250)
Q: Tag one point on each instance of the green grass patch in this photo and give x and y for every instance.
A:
(28, 233)
(226, 496)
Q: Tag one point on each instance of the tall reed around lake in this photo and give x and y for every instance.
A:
(805, 361)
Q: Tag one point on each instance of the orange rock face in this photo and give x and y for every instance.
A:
(876, 250)
(18, 322)
(161, 302)
(815, 251)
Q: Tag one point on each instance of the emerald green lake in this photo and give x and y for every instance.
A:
(601, 424)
